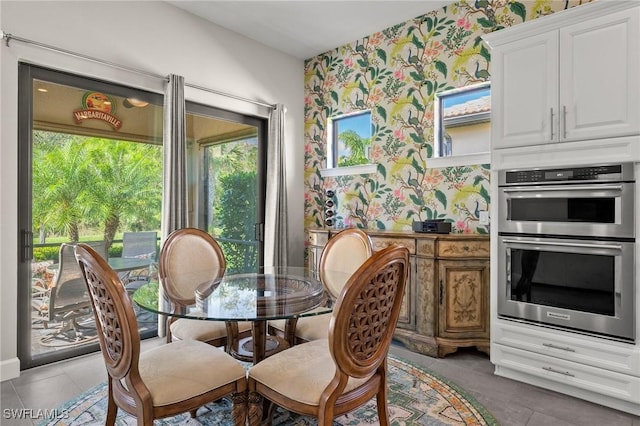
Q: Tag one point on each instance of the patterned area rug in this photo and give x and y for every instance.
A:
(416, 397)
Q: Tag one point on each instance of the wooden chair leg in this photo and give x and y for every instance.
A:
(112, 409)
(383, 409)
(239, 408)
(255, 408)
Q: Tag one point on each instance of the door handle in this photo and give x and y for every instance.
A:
(565, 188)
(555, 244)
(553, 370)
(27, 245)
(564, 348)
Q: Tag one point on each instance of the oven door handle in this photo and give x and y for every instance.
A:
(556, 244)
(565, 188)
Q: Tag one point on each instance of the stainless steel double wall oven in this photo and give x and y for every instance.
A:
(566, 239)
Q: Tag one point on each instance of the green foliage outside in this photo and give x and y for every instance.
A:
(52, 253)
(233, 195)
(88, 185)
(236, 216)
(357, 147)
(89, 189)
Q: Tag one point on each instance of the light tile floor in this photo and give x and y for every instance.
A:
(512, 403)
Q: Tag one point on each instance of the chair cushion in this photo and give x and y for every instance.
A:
(313, 328)
(204, 331)
(300, 373)
(184, 369)
(308, 328)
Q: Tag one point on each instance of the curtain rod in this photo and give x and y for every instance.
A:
(8, 37)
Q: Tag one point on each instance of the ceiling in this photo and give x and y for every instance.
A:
(306, 28)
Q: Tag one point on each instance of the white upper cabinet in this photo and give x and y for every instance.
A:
(524, 98)
(570, 76)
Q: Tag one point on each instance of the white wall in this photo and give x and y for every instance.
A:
(155, 37)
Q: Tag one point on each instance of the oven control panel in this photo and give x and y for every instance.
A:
(600, 173)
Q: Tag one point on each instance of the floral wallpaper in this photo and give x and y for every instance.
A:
(395, 73)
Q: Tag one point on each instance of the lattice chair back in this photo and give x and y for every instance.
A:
(366, 313)
(115, 318)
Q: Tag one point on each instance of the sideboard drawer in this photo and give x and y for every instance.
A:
(466, 248)
(426, 247)
(380, 242)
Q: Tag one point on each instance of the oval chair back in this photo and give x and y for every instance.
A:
(189, 257)
(342, 256)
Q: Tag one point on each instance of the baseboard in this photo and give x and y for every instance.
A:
(9, 369)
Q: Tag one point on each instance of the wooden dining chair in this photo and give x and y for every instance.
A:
(329, 377)
(190, 257)
(165, 381)
(341, 257)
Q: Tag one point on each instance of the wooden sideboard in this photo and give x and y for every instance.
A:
(446, 303)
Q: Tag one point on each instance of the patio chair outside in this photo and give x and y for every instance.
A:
(139, 245)
(68, 297)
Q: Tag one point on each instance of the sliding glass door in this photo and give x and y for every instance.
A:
(90, 161)
(228, 152)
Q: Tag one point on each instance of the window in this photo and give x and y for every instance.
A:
(349, 144)
(462, 122)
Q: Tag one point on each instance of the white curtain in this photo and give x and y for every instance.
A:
(275, 229)
(174, 172)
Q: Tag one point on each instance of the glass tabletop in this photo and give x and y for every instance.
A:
(276, 293)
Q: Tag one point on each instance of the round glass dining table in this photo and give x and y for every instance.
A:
(275, 293)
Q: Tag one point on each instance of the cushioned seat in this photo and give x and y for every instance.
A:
(311, 365)
(176, 371)
(204, 331)
(307, 328)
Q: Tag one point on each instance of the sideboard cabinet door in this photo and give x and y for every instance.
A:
(463, 305)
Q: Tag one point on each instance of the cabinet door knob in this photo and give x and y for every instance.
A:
(441, 291)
